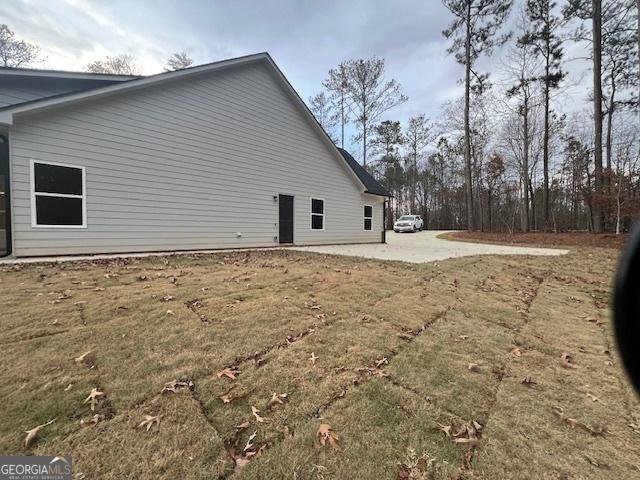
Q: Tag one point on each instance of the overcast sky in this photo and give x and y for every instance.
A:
(305, 38)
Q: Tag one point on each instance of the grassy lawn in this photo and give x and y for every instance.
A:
(419, 370)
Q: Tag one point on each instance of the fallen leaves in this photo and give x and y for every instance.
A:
(276, 398)
(467, 433)
(33, 433)
(93, 398)
(229, 372)
(327, 436)
(566, 360)
(84, 358)
(174, 385)
(382, 361)
(595, 430)
(149, 421)
(255, 413)
(249, 444)
(474, 367)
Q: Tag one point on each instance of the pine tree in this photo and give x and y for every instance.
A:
(474, 31)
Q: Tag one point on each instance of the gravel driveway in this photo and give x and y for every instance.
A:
(426, 247)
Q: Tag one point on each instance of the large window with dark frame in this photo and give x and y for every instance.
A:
(317, 214)
(58, 196)
(368, 217)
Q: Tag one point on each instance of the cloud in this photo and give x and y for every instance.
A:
(305, 38)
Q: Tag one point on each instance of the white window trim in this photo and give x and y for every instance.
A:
(365, 217)
(32, 179)
(311, 214)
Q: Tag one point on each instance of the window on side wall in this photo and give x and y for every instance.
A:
(317, 214)
(368, 217)
(58, 195)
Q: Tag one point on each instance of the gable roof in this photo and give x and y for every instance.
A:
(359, 174)
(371, 184)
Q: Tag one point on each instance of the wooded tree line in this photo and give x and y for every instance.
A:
(509, 156)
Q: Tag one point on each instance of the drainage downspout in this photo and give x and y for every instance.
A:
(384, 220)
(4, 170)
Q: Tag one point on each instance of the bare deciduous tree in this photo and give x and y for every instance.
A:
(337, 83)
(178, 61)
(123, 64)
(322, 109)
(16, 53)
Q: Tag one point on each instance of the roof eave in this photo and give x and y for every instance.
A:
(386, 195)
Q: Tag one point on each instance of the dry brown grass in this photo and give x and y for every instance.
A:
(392, 342)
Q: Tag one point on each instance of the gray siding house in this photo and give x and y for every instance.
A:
(223, 155)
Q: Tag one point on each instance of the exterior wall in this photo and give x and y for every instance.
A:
(16, 89)
(188, 165)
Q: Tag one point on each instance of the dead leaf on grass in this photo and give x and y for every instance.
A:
(593, 398)
(93, 398)
(149, 421)
(276, 399)
(97, 418)
(566, 360)
(255, 412)
(31, 434)
(382, 361)
(249, 444)
(467, 433)
(174, 385)
(229, 372)
(327, 435)
(595, 430)
(242, 426)
(516, 352)
(474, 367)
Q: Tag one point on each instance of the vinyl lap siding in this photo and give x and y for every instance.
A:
(188, 165)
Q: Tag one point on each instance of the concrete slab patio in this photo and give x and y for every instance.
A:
(425, 246)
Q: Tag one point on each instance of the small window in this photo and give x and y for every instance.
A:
(368, 217)
(317, 214)
(57, 195)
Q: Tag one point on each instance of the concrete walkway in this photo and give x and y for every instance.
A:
(407, 247)
(426, 247)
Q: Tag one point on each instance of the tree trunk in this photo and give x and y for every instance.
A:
(342, 118)
(597, 113)
(545, 147)
(610, 110)
(525, 164)
(467, 133)
(489, 210)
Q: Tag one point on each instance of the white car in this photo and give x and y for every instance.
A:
(408, 223)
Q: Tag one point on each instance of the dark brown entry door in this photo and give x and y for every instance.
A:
(285, 220)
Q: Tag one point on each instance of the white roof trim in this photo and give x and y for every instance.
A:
(7, 113)
(28, 72)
